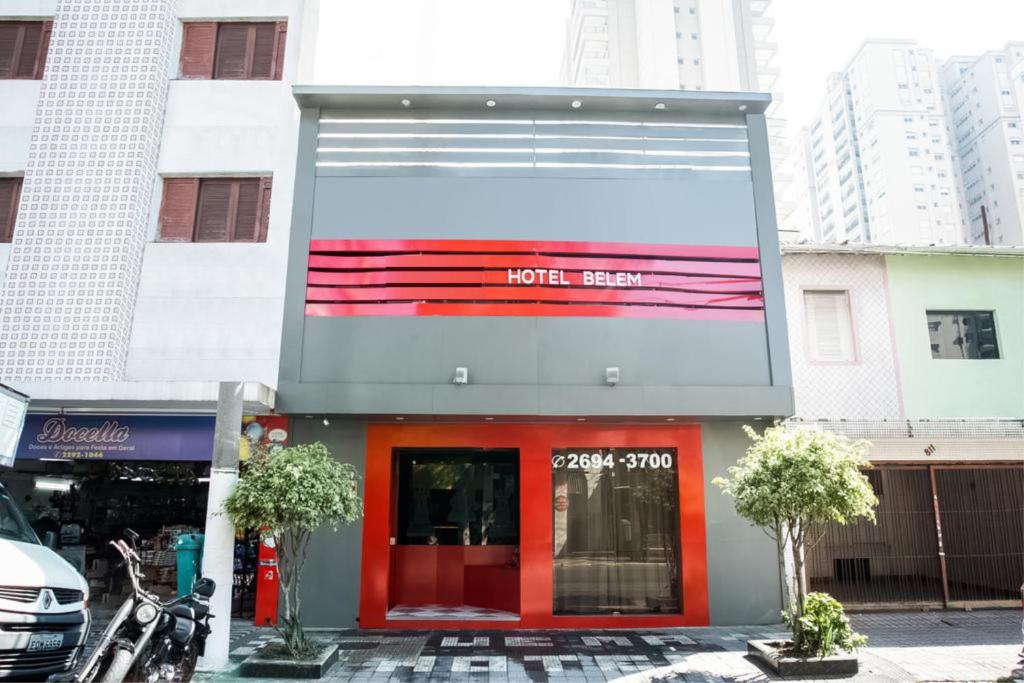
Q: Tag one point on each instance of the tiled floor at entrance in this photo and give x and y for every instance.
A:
(448, 612)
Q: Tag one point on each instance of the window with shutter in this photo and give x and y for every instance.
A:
(829, 328)
(23, 47)
(215, 210)
(233, 50)
(10, 191)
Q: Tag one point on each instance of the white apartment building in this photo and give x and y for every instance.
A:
(984, 99)
(145, 197)
(686, 44)
(881, 159)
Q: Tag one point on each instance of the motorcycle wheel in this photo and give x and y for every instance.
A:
(117, 670)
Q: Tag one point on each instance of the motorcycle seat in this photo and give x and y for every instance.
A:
(190, 610)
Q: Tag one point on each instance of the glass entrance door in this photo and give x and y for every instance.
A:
(456, 548)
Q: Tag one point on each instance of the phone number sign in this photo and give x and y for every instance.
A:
(610, 458)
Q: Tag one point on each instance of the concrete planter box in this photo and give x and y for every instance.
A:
(769, 652)
(256, 666)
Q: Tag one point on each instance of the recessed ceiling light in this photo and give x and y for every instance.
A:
(670, 419)
(743, 107)
(399, 418)
(575, 104)
(659, 105)
(489, 419)
(406, 103)
(490, 103)
(581, 419)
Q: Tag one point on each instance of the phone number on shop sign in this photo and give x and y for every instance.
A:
(596, 461)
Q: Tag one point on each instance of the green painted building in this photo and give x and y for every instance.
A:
(919, 350)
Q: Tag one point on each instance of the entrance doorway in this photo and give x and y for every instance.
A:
(455, 541)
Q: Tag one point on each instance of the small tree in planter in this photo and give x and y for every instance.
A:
(792, 484)
(291, 493)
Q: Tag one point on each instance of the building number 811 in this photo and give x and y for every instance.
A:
(595, 461)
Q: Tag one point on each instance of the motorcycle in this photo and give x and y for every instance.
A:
(149, 640)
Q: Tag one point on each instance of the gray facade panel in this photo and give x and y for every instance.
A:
(743, 573)
(330, 582)
(545, 351)
(648, 210)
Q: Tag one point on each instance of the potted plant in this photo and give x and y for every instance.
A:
(289, 494)
(791, 484)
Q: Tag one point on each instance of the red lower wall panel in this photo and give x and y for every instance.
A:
(455, 575)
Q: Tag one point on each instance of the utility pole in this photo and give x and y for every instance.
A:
(219, 546)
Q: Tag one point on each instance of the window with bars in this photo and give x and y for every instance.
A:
(23, 48)
(233, 50)
(215, 210)
(10, 192)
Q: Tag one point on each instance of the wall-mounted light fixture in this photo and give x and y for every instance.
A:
(461, 376)
(611, 376)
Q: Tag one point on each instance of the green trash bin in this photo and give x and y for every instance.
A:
(190, 561)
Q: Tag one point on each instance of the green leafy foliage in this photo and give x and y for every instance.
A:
(805, 477)
(791, 484)
(824, 628)
(288, 494)
(298, 488)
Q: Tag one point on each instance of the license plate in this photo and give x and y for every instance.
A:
(41, 642)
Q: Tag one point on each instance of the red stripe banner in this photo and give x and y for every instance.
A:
(519, 278)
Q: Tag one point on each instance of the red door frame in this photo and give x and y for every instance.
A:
(534, 442)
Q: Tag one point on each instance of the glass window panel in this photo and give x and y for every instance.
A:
(458, 497)
(963, 334)
(616, 531)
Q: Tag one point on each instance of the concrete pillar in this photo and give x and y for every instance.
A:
(219, 548)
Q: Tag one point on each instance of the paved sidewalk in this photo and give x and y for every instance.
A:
(935, 646)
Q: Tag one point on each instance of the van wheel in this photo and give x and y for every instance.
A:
(117, 671)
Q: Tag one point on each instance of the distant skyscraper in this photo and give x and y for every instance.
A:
(879, 155)
(684, 44)
(985, 100)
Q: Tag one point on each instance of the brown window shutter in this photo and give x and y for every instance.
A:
(282, 34)
(232, 51)
(247, 211)
(10, 47)
(265, 35)
(44, 50)
(178, 209)
(198, 46)
(10, 191)
(264, 208)
(31, 38)
(217, 205)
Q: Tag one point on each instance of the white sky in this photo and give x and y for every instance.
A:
(519, 42)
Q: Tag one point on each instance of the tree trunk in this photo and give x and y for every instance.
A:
(785, 589)
(798, 566)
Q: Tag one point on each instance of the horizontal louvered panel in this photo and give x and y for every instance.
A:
(505, 261)
(555, 294)
(479, 277)
(552, 147)
(376, 278)
(537, 310)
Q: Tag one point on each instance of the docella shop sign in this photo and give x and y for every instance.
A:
(117, 437)
(533, 278)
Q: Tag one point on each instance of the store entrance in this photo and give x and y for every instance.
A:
(455, 538)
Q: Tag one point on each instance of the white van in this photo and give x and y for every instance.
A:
(44, 615)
